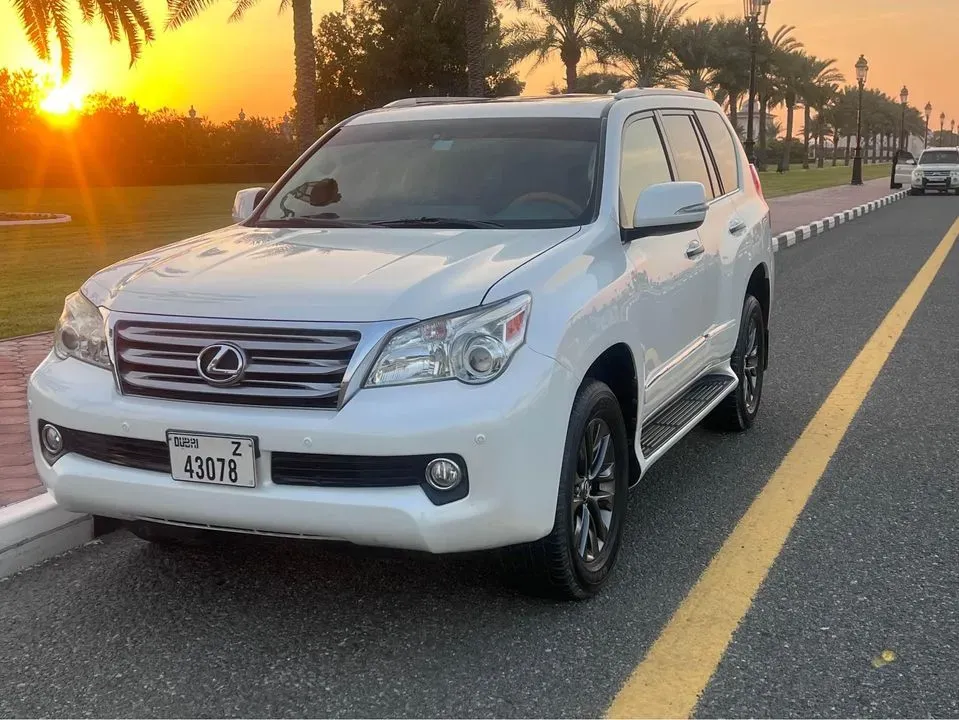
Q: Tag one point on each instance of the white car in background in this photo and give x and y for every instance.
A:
(905, 164)
(936, 171)
(452, 325)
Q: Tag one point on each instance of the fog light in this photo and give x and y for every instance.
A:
(52, 439)
(443, 474)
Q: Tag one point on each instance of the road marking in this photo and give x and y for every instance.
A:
(672, 676)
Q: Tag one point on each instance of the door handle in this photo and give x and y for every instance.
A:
(695, 248)
(737, 225)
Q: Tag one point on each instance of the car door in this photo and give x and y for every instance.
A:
(730, 218)
(692, 161)
(665, 270)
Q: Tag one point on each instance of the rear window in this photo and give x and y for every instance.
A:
(724, 151)
(940, 157)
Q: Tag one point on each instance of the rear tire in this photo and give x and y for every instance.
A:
(169, 535)
(575, 559)
(738, 410)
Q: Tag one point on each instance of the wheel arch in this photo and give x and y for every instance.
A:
(759, 287)
(616, 367)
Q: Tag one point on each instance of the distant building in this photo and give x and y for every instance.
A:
(742, 121)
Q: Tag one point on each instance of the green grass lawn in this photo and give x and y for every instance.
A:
(41, 264)
(798, 180)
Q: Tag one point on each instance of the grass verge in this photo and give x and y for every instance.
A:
(798, 180)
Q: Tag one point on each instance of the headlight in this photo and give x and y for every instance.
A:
(917, 174)
(81, 333)
(473, 346)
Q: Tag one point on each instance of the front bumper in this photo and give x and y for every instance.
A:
(510, 433)
(934, 184)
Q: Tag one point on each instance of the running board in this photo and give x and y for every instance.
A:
(672, 419)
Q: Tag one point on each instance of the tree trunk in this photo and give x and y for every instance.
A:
(821, 147)
(787, 141)
(475, 21)
(570, 77)
(835, 147)
(733, 109)
(848, 149)
(763, 128)
(805, 132)
(304, 89)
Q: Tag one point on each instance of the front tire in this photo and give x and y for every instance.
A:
(916, 191)
(738, 410)
(575, 559)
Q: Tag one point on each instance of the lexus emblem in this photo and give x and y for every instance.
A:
(222, 364)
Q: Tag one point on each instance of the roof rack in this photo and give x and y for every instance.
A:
(634, 92)
(415, 101)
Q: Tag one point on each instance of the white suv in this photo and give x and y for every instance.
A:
(452, 325)
(937, 170)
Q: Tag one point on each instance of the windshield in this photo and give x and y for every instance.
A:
(477, 172)
(940, 157)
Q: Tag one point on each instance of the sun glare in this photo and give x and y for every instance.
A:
(61, 102)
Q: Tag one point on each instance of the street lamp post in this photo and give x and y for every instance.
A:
(755, 12)
(925, 139)
(904, 97)
(942, 128)
(862, 71)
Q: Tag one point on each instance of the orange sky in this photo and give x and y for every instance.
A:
(221, 67)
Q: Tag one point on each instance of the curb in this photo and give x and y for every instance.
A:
(36, 529)
(805, 232)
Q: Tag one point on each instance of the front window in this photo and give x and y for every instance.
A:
(939, 157)
(476, 172)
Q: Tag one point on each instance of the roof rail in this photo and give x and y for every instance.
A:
(635, 92)
(415, 101)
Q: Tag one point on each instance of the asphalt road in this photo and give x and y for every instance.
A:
(265, 628)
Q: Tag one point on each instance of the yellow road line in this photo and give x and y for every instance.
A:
(670, 679)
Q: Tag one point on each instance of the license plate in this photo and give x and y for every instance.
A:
(213, 459)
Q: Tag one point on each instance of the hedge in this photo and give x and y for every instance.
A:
(69, 176)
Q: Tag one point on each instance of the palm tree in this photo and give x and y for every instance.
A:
(567, 27)
(637, 38)
(697, 54)
(40, 18)
(821, 81)
(304, 53)
(792, 70)
(768, 85)
(730, 75)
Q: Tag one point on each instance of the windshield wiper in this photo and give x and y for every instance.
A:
(310, 221)
(440, 222)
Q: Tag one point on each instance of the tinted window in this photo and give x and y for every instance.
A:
(724, 151)
(643, 164)
(687, 153)
(515, 172)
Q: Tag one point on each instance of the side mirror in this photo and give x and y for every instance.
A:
(246, 202)
(668, 208)
(908, 161)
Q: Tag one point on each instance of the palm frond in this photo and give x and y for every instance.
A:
(181, 12)
(240, 8)
(59, 14)
(35, 21)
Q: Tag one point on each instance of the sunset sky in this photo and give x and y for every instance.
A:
(221, 68)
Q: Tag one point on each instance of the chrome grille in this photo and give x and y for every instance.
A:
(287, 366)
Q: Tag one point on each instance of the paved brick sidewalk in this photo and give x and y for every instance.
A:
(18, 358)
(791, 211)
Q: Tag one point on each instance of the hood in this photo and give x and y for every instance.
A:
(325, 274)
(940, 167)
